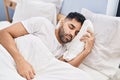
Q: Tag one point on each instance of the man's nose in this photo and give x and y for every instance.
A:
(73, 33)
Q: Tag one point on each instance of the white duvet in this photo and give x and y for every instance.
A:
(44, 63)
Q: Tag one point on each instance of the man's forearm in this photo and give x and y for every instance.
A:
(78, 60)
(7, 41)
(7, 36)
(89, 43)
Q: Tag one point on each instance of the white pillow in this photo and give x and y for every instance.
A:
(58, 3)
(26, 9)
(105, 56)
(76, 46)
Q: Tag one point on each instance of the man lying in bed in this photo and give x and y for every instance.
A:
(53, 38)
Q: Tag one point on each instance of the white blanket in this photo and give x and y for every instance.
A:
(44, 63)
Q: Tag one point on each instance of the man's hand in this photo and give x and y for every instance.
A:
(89, 43)
(89, 40)
(7, 36)
(25, 69)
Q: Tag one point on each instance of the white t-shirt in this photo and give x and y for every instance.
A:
(45, 30)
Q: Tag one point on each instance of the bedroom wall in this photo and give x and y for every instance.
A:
(108, 7)
(2, 12)
(98, 6)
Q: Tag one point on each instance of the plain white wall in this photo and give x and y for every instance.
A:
(112, 7)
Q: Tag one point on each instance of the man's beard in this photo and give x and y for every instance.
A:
(65, 38)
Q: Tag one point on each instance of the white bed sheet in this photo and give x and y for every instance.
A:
(96, 75)
(47, 67)
(8, 71)
(4, 24)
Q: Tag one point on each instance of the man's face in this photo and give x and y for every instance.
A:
(69, 30)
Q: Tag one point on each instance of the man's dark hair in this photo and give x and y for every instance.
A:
(77, 16)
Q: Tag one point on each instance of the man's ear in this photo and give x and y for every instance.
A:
(61, 22)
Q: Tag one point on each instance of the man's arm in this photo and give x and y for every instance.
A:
(7, 36)
(89, 42)
(60, 16)
(77, 60)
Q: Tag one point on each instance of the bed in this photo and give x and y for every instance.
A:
(101, 64)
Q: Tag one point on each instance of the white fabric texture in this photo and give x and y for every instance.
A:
(26, 9)
(4, 24)
(96, 75)
(75, 47)
(45, 30)
(58, 3)
(105, 56)
(46, 66)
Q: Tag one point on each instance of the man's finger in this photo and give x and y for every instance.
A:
(33, 70)
(28, 76)
(87, 35)
(84, 39)
(90, 32)
(23, 76)
(31, 75)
